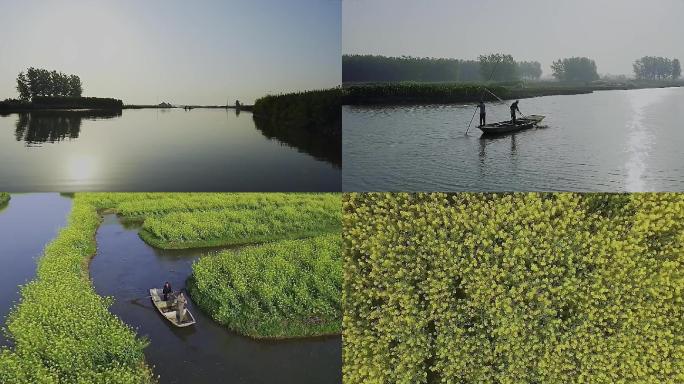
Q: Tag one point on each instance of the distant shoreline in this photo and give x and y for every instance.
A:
(449, 93)
(247, 108)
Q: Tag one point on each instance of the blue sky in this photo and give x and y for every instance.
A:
(613, 32)
(201, 52)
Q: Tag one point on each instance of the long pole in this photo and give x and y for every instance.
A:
(481, 96)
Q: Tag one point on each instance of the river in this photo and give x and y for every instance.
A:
(159, 150)
(125, 268)
(611, 141)
(27, 224)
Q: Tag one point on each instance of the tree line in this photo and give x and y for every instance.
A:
(369, 68)
(657, 68)
(495, 67)
(42, 82)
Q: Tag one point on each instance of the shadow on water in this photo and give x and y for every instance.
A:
(54, 126)
(161, 150)
(125, 268)
(321, 143)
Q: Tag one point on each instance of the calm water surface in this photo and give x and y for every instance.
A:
(27, 224)
(157, 150)
(606, 141)
(125, 268)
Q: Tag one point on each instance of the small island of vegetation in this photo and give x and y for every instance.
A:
(4, 199)
(42, 89)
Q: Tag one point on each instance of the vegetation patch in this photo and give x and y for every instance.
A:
(289, 288)
(316, 112)
(237, 225)
(516, 288)
(62, 331)
(4, 199)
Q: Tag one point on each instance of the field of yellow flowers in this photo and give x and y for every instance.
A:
(514, 288)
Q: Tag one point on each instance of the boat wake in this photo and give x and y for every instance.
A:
(639, 139)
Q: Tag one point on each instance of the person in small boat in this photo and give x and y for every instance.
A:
(180, 312)
(514, 109)
(167, 290)
(483, 113)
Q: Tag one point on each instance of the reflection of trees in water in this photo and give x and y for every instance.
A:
(54, 126)
(323, 143)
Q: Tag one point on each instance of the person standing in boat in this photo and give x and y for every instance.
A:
(483, 113)
(514, 109)
(180, 312)
(167, 289)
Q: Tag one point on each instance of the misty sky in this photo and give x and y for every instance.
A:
(612, 32)
(201, 52)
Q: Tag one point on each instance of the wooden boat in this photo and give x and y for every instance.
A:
(168, 309)
(507, 126)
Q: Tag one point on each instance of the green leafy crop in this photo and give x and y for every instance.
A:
(290, 288)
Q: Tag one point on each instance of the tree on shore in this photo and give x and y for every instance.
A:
(41, 82)
(676, 69)
(575, 69)
(657, 68)
(498, 67)
(530, 70)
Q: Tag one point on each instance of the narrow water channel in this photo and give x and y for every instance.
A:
(125, 268)
(27, 224)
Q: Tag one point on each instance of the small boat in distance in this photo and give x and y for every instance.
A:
(507, 126)
(168, 309)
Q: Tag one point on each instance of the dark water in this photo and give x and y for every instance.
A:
(606, 141)
(27, 224)
(125, 268)
(160, 150)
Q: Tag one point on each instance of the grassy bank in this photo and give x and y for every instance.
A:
(4, 199)
(285, 289)
(515, 288)
(62, 331)
(443, 93)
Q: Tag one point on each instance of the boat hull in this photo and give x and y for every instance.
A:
(507, 126)
(168, 310)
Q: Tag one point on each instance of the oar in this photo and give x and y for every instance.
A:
(490, 77)
(471, 121)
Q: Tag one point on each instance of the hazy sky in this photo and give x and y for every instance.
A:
(612, 32)
(177, 51)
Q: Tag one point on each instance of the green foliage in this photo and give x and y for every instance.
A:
(290, 288)
(516, 288)
(498, 67)
(657, 68)
(530, 70)
(62, 331)
(4, 199)
(281, 219)
(42, 82)
(316, 111)
(575, 69)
